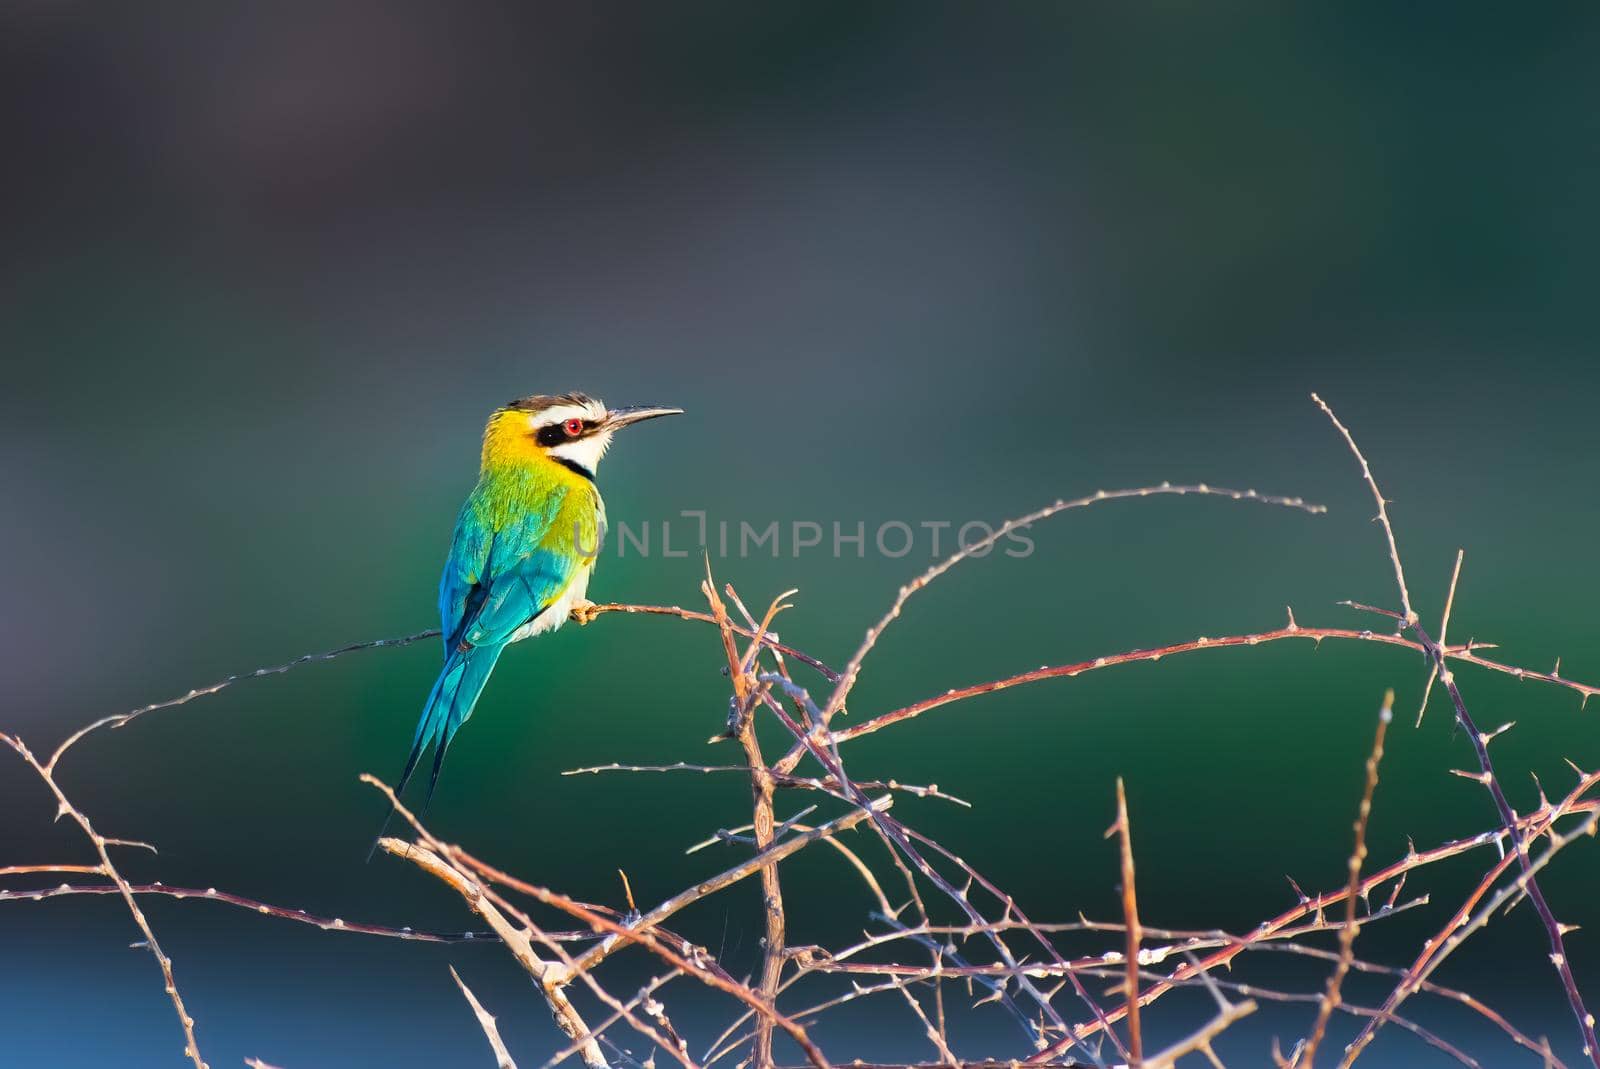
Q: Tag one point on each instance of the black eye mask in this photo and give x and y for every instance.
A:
(556, 433)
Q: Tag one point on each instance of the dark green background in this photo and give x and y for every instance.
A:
(266, 269)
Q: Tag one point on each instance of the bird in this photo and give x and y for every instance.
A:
(523, 550)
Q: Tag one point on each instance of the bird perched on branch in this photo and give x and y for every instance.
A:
(525, 544)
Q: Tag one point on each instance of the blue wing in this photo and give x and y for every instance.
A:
(462, 585)
(493, 583)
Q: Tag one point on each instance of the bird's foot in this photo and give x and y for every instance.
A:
(584, 611)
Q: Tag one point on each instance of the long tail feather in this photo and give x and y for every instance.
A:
(449, 704)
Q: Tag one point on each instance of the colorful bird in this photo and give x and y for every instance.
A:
(525, 544)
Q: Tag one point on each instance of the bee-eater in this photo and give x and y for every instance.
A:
(525, 544)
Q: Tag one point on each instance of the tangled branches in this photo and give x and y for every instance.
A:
(940, 930)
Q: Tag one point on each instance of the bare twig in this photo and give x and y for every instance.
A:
(1450, 994)
(847, 678)
(761, 788)
(810, 783)
(25, 870)
(516, 940)
(582, 615)
(1257, 991)
(898, 838)
(1383, 511)
(1465, 654)
(984, 951)
(299, 916)
(1435, 949)
(676, 766)
(433, 852)
(981, 1063)
(491, 1031)
(770, 856)
(65, 808)
(1202, 1039)
(644, 999)
(1480, 745)
(1358, 855)
(1099, 967)
(1130, 914)
(1283, 938)
(1438, 950)
(123, 719)
(1444, 627)
(1554, 930)
(769, 641)
(1530, 826)
(660, 948)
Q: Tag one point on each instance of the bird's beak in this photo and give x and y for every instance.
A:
(621, 417)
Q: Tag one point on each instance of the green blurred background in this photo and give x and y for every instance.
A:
(266, 269)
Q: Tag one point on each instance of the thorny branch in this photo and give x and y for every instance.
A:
(1358, 856)
(582, 615)
(847, 679)
(109, 869)
(547, 974)
(1130, 916)
(1024, 984)
(742, 726)
(1480, 745)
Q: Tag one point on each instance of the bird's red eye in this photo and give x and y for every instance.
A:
(573, 427)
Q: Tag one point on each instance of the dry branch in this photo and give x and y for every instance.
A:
(1358, 856)
(65, 808)
(761, 789)
(897, 838)
(1409, 616)
(486, 1021)
(1033, 980)
(1531, 826)
(516, 940)
(1480, 744)
(299, 916)
(433, 854)
(1130, 915)
(582, 615)
(1293, 630)
(770, 856)
(26, 870)
(847, 678)
(1201, 1040)
(1444, 629)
